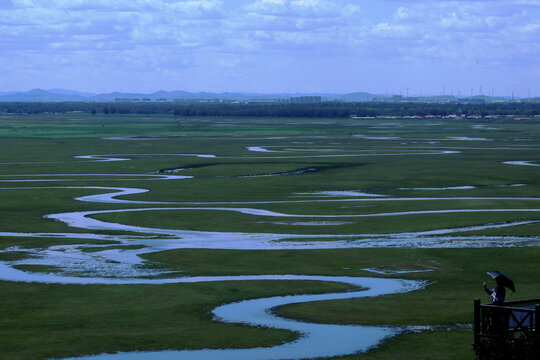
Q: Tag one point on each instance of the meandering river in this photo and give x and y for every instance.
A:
(117, 266)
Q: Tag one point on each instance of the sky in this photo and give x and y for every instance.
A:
(408, 47)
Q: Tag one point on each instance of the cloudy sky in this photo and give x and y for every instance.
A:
(417, 47)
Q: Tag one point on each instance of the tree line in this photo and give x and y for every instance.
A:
(318, 110)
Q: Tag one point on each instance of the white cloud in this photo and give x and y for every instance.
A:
(386, 30)
(170, 35)
(294, 8)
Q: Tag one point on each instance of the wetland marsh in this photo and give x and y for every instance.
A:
(113, 245)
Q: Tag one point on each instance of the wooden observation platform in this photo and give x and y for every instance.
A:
(508, 331)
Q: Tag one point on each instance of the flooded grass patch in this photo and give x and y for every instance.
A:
(13, 255)
(39, 268)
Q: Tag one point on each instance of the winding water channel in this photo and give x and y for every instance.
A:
(124, 266)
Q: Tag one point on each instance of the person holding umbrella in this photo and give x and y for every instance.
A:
(499, 292)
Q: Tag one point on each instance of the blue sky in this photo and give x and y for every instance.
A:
(417, 47)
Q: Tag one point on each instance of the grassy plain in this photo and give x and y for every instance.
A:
(43, 320)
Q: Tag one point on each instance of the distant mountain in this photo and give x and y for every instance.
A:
(54, 95)
(57, 95)
(169, 95)
(69, 92)
(180, 94)
(40, 95)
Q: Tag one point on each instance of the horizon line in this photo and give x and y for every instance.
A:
(297, 93)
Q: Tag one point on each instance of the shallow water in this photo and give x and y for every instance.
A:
(343, 193)
(466, 138)
(116, 157)
(112, 157)
(91, 264)
(394, 271)
(377, 137)
(316, 340)
(101, 177)
(75, 259)
(260, 149)
(522, 163)
(132, 138)
(462, 187)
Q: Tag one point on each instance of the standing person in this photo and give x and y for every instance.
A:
(498, 293)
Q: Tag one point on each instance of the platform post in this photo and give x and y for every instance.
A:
(477, 326)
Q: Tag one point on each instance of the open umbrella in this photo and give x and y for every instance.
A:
(503, 279)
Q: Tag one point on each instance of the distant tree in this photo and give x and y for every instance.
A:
(321, 110)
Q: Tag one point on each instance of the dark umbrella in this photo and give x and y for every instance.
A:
(503, 279)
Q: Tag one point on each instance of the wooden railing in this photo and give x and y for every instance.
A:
(507, 331)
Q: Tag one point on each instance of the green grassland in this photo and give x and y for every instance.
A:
(61, 320)
(43, 320)
(40, 321)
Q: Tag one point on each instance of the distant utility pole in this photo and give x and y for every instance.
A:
(529, 93)
(471, 91)
(480, 93)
